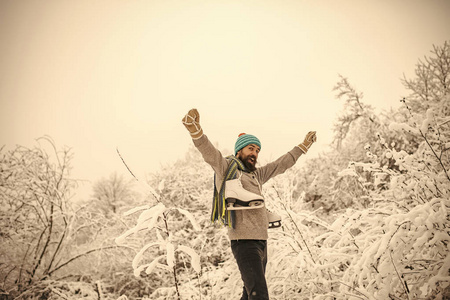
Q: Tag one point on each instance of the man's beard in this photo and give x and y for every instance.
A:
(247, 163)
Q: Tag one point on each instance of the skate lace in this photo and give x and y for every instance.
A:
(239, 181)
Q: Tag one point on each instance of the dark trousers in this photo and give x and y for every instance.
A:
(251, 257)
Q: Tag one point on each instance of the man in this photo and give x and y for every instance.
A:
(247, 227)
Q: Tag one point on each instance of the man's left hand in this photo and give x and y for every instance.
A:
(310, 138)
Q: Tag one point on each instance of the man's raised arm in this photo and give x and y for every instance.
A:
(210, 154)
(286, 161)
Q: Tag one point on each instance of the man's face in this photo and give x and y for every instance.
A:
(249, 155)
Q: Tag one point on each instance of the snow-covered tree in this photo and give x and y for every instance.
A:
(431, 82)
(44, 236)
(110, 194)
(35, 215)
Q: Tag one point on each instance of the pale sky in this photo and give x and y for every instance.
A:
(96, 75)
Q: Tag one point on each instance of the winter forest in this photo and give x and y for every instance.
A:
(368, 219)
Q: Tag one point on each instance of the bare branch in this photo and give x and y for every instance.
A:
(78, 256)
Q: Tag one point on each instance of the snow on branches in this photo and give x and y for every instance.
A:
(153, 219)
(402, 240)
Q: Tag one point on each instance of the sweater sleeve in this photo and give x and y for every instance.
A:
(279, 166)
(211, 155)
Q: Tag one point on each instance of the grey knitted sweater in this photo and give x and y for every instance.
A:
(251, 224)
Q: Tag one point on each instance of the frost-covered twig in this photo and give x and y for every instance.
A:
(170, 253)
(439, 158)
(151, 190)
(299, 232)
(352, 288)
(58, 247)
(391, 237)
(59, 293)
(47, 242)
(427, 141)
(404, 286)
(99, 290)
(117, 149)
(292, 219)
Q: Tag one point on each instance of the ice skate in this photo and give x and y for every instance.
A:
(274, 220)
(238, 198)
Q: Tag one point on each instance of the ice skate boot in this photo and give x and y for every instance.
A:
(274, 220)
(238, 198)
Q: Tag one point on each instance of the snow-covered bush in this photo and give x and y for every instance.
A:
(400, 242)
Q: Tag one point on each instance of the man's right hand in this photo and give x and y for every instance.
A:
(192, 122)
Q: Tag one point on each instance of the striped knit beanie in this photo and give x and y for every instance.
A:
(245, 140)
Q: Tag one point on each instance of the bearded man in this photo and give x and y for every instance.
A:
(247, 226)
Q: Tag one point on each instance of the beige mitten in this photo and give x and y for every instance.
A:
(309, 140)
(192, 122)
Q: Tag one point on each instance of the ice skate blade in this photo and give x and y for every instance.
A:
(234, 201)
(252, 205)
(275, 224)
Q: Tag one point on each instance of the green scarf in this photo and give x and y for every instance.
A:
(219, 207)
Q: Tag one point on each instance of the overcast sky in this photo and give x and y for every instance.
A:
(96, 75)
